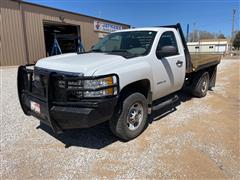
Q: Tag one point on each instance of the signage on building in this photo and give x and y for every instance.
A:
(106, 27)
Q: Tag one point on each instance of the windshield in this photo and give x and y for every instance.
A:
(130, 43)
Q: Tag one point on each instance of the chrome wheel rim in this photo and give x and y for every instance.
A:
(204, 85)
(135, 116)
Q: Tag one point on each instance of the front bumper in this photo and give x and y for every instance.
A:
(63, 115)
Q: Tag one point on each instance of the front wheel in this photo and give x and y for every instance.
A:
(130, 119)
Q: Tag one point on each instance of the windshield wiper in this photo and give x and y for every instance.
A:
(96, 50)
(120, 50)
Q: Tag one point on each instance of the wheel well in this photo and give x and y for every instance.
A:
(141, 86)
(211, 71)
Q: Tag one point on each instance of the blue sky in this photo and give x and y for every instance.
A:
(210, 15)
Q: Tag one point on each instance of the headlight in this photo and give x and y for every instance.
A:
(98, 83)
(101, 84)
(90, 87)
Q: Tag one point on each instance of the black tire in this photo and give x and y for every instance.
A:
(119, 124)
(200, 85)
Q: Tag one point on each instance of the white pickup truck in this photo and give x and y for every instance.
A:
(125, 77)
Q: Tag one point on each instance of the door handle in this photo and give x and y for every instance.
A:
(179, 63)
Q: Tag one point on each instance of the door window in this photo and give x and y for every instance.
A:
(167, 39)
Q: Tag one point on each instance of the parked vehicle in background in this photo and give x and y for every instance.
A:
(125, 77)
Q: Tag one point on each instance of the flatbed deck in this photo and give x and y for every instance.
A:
(200, 60)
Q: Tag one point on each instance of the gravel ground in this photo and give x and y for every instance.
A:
(197, 139)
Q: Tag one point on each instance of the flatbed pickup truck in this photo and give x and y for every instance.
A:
(125, 77)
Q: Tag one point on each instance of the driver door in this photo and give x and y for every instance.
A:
(169, 70)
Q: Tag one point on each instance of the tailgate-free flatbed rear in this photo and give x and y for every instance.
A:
(204, 60)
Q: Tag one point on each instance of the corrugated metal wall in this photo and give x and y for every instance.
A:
(1, 52)
(18, 47)
(12, 41)
(35, 36)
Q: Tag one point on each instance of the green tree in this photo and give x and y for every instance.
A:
(236, 41)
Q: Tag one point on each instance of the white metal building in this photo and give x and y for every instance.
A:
(221, 46)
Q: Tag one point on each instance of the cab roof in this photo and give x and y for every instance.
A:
(144, 29)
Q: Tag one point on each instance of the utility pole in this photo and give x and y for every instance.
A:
(233, 22)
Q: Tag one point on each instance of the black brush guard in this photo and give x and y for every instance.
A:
(64, 114)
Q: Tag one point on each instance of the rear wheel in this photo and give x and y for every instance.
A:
(130, 117)
(201, 85)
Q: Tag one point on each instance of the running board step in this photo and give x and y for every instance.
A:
(165, 103)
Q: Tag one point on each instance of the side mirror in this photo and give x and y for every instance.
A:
(92, 47)
(166, 51)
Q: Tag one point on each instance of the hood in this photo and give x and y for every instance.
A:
(86, 63)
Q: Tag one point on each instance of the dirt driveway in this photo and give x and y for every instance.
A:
(197, 139)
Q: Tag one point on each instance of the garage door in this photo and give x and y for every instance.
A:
(60, 38)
